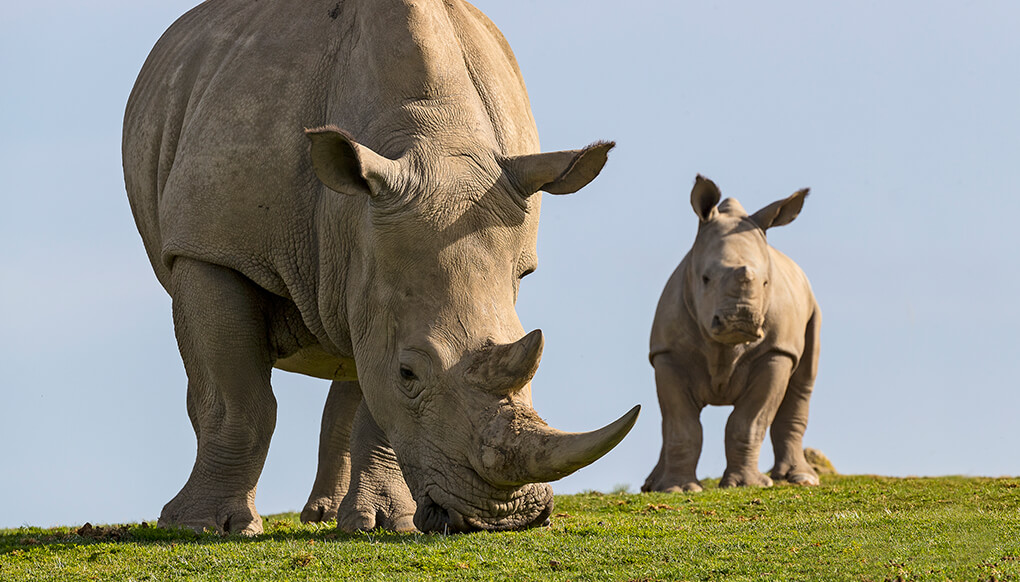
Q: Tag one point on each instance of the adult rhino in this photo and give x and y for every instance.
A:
(736, 324)
(382, 250)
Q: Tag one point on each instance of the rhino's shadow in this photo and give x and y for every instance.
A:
(146, 535)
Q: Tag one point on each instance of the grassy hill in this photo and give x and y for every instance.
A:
(849, 528)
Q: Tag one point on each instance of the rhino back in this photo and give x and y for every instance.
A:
(215, 157)
(213, 139)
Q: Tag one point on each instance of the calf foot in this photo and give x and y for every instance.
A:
(744, 477)
(798, 474)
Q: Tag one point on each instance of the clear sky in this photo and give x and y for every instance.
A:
(902, 117)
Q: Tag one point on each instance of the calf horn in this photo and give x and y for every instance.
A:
(521, 448)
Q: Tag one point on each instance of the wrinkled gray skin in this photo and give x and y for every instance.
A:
(736, 324)
(382, 250)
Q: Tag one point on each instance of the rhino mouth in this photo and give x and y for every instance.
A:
(527, 507)
(739, 327)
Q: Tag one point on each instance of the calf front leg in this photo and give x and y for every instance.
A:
(752, 414)
(788, 428)
(219, 320)
(333, 474)
(681, 429)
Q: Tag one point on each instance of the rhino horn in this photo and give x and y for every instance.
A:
(506, 369)
(530, 451)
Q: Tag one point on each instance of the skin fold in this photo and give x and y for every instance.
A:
(737, 324)
(349, 190)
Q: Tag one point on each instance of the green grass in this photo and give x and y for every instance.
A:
(849, 528)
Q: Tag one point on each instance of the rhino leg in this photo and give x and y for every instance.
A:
(378, 496)
(752, 414)
(334, 471)
(681, 430)
(788, 428)
(219, 320)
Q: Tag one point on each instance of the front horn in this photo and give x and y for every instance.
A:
(519, 447)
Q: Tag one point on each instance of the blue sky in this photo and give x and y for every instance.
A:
(901, 117)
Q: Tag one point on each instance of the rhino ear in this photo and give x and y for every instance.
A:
(345, 165)
(563, 172)
(704, 196)
(780, 212)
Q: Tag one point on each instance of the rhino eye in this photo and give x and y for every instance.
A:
(765, 284)
(705, 279)
(407, 374)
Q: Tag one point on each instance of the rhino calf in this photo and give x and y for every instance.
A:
(737, 324)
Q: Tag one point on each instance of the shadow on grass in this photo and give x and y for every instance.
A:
(25, 538)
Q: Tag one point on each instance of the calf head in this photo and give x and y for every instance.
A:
(729, 266)
(443, 361)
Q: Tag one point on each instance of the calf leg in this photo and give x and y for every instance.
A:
(791, 420)
(752, 414)
(334, 471)
(681, 430)
(219, 320)
(378, 496)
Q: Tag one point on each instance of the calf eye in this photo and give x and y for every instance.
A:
(765, 284)
(407, 374)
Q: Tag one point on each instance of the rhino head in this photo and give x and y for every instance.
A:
(729, 266)
(444, 364)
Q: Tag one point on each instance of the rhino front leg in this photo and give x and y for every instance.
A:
(752, 414)
(378, 496)
(219, 320)
(788, 428)
(681, 430)
(333, 474)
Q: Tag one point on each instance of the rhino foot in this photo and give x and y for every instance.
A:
(377, 502)
(385, 516)
(237, 517)
(320, 509)
(744, 478)
(690, 485)
(796, 474)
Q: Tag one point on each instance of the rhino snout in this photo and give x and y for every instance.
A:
(537, 503)
(738, 326)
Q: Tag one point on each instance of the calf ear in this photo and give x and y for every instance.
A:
(780, 212)
(562, 172)
(345, 165)
(704, 196)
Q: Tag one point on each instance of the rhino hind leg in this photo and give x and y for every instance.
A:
(378, 497)
(681, 430)
(219, 320)
(333, 475)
